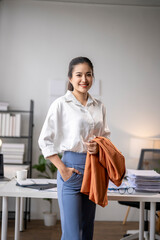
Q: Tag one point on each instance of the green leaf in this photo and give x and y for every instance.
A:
(40, 167)
(42, 160)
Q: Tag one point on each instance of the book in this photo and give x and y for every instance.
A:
(13, 146)
(38, 186)
(13, 161)
(18, 125)
(13, 125)
(4, 106)
(11, 156)
(3, 123)
(7, 124)
(10, 124)
(13, 152)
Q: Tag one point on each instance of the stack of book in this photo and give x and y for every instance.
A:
(4, 106)
(13, 152)
(10, 124)
(144, 180)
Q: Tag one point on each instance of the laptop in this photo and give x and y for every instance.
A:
(2, 178)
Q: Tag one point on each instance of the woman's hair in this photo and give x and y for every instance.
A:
(73, 63)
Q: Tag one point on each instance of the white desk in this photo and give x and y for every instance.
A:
(11, 190)
(10, 172)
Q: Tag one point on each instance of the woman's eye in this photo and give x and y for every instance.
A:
(78, 75)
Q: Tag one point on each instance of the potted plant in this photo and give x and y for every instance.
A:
(47, 170)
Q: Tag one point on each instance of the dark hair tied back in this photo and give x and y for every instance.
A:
(73, 63)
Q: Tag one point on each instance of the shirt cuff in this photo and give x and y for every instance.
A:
(48, 151)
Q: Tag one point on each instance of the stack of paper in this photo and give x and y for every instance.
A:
(144, 180)
(13, 152)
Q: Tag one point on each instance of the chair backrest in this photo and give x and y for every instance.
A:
(149, 159)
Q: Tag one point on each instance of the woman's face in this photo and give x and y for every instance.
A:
(82, 78)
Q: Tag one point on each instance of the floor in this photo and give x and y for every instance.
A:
(103, 230)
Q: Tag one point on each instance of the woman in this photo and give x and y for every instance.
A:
(73, 120)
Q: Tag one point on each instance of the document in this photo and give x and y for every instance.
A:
(144, 180)
(39, 184)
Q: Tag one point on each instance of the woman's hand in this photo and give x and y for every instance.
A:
(92, 147)
(67, 172)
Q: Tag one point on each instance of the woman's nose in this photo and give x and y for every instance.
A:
(83, 78)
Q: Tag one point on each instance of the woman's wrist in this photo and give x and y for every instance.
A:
(57, 162)
(62, 168)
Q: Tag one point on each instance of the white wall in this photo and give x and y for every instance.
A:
(39, 38)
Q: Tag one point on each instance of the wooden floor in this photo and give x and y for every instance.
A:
(102, 231)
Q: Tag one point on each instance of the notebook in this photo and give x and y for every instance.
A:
(39, 186)
(2, 178)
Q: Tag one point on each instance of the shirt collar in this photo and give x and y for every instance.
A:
(69, 97)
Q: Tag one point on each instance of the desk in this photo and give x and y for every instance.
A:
(10, 172)
(11, 190)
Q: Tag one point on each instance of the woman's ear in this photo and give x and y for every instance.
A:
(70, 86)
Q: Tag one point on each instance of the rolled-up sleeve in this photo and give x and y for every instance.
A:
(49, 130)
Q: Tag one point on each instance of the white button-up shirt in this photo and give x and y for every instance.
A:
(69, 125)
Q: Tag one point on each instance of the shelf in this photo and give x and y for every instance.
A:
(15, 111)
(19, 164)
(27, 139)
(16, 137)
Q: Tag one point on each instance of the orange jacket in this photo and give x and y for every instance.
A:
(99, 168)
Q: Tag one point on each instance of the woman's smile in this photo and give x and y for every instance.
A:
(84, 85)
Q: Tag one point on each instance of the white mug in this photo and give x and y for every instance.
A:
(21, 175)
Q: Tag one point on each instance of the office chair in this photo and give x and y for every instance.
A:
(149, 160)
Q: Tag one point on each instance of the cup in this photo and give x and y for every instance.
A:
(21, 175)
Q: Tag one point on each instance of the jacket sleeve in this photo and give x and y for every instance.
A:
(112, 160)
(115, 165)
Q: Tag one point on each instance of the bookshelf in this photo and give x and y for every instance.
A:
(25, 135)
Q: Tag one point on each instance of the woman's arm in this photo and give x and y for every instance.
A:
(65, 172)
